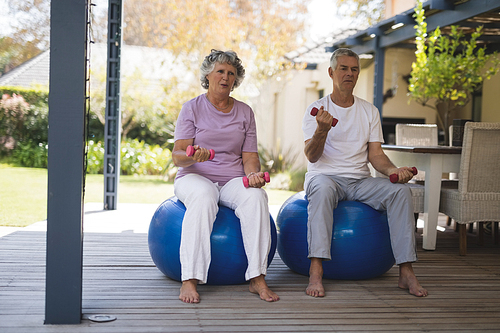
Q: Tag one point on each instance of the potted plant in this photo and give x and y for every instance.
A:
(448, 68)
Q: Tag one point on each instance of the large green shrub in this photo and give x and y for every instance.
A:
(23, 118)
(137, 158)
(30, 123)
(280, 163)
(12, 113)
(276, 160)
(95, 157)
(30, 154)
(31, 96)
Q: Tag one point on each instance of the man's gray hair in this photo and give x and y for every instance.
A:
(227, 57)
(342, 52)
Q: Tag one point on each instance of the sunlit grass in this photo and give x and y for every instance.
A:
(23, 193)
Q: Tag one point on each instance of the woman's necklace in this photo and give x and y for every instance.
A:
(219, 108)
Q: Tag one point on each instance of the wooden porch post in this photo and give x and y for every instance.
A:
(63, 297)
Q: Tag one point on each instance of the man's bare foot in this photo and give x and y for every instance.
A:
(315, 287)
(188, 291)
(259, 286)
(408, 280)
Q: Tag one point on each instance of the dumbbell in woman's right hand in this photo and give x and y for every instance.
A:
(314, 112)
(266, 178)
(395, 178)
(190, 150)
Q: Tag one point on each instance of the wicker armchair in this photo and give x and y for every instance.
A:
(477, 198)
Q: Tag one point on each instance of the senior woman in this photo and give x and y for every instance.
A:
(217, 121)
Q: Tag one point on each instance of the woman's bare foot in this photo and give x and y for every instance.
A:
(315, 287)
(188, 291)
(408, 280)
(259, 286)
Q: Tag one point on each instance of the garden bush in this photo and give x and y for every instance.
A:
(30, 154)
(36, 97)
(137, 158)
(280, 163)
(23, 118)
(95, 157)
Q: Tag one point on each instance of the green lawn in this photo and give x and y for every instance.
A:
(23, 193)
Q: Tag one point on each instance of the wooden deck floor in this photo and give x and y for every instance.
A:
(121, 280)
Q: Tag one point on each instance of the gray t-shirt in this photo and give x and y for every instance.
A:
(228, 134)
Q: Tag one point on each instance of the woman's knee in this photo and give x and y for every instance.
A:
(197, 190)
(254, 197)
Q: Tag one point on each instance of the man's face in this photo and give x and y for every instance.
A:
(346, 74)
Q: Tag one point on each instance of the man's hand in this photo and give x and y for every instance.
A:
(403, 175)
(314, 112)
(324, 119)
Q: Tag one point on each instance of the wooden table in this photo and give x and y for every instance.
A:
(434, 161)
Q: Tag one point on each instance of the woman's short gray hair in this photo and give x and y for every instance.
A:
(227, 57)
(342, 52)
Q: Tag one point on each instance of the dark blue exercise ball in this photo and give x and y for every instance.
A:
(228, 263)
(361, 247)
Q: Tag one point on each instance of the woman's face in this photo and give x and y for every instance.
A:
(221, 79)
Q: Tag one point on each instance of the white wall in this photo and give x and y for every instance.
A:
(394, 7)
(279, 110)
(397, 65)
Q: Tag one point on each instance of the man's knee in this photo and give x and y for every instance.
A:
(322, 186)
(403, 192)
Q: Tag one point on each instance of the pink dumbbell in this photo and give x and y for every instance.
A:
(314, 112)
(266, 178)
(190, 152)
(394, 177)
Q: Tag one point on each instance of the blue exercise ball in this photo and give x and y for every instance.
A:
(361, 247)
(228, 263)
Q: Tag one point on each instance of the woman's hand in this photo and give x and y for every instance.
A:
(201, 154)
(256, 179)
(180, 158)
(251, 166)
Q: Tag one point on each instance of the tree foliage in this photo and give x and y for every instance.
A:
(363, 12)
(259, 31)
(14, 52)
(448, 68)
(30, 33)
(32, 21)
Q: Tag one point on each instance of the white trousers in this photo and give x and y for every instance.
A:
(201, 198)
